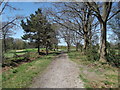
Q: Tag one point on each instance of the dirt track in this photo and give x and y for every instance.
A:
(62, 73)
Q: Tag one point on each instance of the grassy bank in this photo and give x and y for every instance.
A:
(11, 53)
(94, 74)
(21, 76)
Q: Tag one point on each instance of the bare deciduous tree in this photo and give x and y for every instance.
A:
(76, 15)
(66, 35)
(102, 13)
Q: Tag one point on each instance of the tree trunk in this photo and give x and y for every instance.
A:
(90, 36)
(57, 47)
(38, 49)
(68, 47)
(46, 50)
(4, 45)
(106, 11)
(77, 46)
(86, 41)
(103, 52)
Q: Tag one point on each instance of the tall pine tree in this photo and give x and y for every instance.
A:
(38, 29)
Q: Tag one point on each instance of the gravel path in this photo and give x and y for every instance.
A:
(62, 73)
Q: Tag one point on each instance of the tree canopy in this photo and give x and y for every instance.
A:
(39, 30)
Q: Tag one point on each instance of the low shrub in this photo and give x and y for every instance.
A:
(17, 59)
(27, 56)
(92, 54)
(113, 58)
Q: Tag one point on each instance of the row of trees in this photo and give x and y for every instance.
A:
(86, 21)
(17, 44)
(76, 22)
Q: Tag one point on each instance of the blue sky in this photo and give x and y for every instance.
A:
(26, 8)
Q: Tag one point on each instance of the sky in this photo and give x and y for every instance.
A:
(25, 9)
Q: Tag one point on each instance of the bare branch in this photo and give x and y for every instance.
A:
(1, 2)
(113, 15)
(67, 27)
(12, 22)
(3, 7)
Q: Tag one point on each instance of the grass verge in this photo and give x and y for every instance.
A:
(10, 53)
(21, 76)
(93, 73)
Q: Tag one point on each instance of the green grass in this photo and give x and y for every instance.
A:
(85, 81)
(10, 53)
(21, 76)
(64, 48)
(93, 73)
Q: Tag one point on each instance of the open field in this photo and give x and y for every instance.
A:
(11, 53)
(94, 74)
(14, 57)
(19, 52)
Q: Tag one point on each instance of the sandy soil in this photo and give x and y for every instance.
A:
(62, 73)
